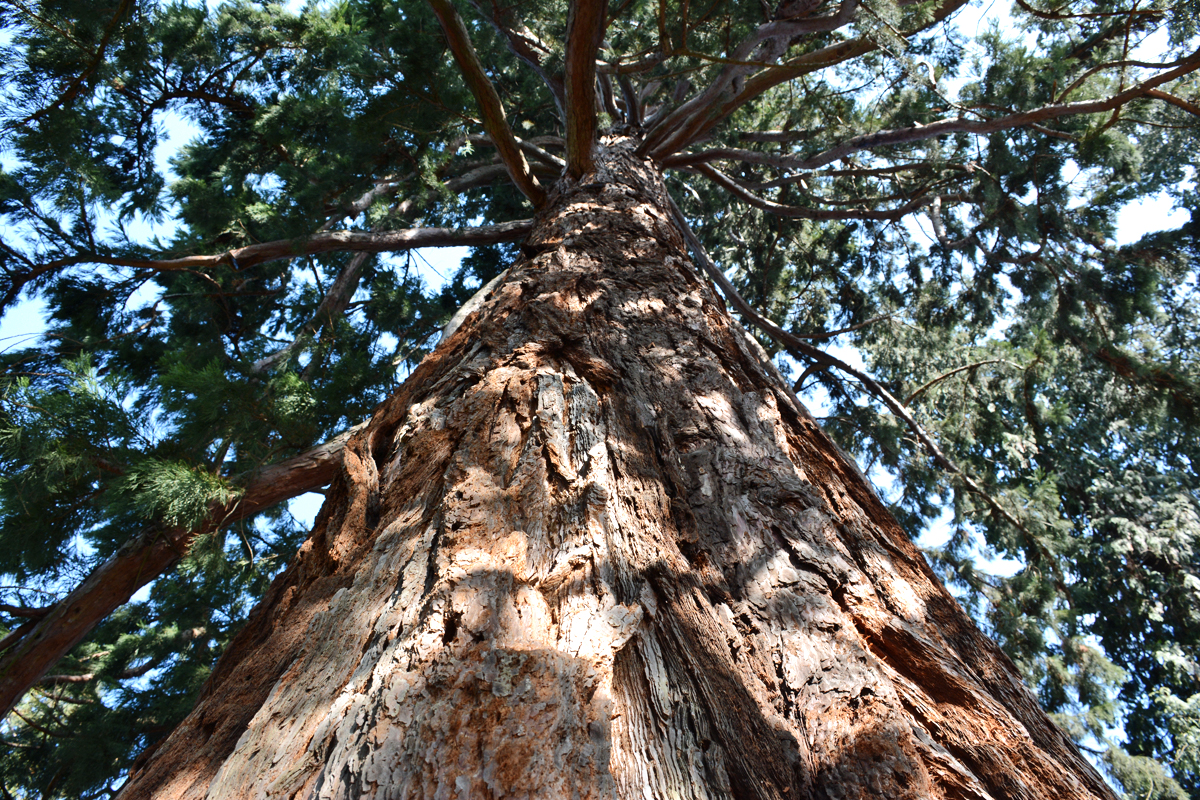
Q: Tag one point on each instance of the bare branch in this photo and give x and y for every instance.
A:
(1054, 15)
(775, 136)
(942, 127)
(381, 188)
(585, 30)
(332, 306)
(633, 104)
(1014, 120)
(974, 365)
(24, 611)
(1175, 100)
(142, 559)
(768, 43)
(72, 91)
(88, 677)
(607, 99)
(1075, 84)
(797, 212)
(541, 154)
(478, 176)
(781, 161)
(494, 120)
(854, 172)
(326, 242)
(850, 329)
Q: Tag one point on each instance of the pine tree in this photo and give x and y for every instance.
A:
(594, 542)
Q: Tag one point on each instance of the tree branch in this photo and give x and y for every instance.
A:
(585, 31)
(494, 120)
(325, 242)
(946, 126)
(797, 212)
(332, 306)
(1053, 15)
(26, 659)
(629, 96)
(72, 91)
(768, 42)
(88, 677)
(954, 372)
(707, 116)
(24, 611)
(1175, 100)
(849, 329)
(525, 46)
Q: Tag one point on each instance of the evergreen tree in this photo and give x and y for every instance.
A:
(853, 176)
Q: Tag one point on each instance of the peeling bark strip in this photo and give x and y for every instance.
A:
(592, 549)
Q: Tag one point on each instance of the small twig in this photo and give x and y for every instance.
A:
(954, 372)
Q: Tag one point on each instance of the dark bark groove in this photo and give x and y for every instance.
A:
(594, 548)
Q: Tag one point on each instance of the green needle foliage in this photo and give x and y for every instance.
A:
(973, 274)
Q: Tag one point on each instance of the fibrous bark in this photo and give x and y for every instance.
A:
(593, 547)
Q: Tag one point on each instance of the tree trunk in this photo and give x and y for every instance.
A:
(594, 547)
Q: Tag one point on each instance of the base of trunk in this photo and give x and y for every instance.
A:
(595, 548)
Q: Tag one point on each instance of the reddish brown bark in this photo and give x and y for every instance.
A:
(595, 548)
(585, 30)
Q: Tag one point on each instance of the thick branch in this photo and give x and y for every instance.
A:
(683, 131)
(1175, 100)
(629, 95)
(23, 611)
(946, 126)
(525, 46)
(494, 120)
(142, 559)
(768, 42)
(585, 30)
(325, 242)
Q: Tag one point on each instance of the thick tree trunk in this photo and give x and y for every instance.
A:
(595, 548)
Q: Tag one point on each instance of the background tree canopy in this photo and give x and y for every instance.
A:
(925, 210)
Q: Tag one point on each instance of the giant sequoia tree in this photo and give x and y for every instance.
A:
(593, 544)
